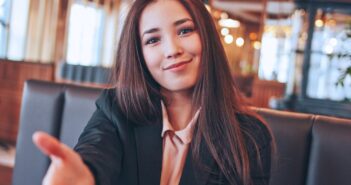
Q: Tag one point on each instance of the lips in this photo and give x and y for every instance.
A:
(175, 65)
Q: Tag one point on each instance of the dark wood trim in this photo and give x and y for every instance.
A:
(5, 175)
(307, 56)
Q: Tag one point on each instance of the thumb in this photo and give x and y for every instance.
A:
(48, 145)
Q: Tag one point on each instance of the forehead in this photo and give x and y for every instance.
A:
(162, 13)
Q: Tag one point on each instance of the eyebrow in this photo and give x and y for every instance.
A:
(176, 23)
(181, 21)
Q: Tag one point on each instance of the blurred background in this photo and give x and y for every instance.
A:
(290, 55)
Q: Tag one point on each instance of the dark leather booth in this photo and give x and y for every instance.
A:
(311, 149)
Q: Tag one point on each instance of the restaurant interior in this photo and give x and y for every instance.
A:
(286, 55)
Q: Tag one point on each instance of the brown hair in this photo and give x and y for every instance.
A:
(138, 94)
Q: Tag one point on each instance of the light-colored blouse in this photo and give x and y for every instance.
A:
(175, 148)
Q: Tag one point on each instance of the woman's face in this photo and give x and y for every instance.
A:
(171, 45)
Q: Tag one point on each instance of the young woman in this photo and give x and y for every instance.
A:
(175, 116)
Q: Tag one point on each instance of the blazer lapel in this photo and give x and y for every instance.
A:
(188, 176)
(192, 174)
(149, 153)
(149, 156)
(203, 175)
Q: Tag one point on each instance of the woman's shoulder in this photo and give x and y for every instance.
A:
(255, 130)
(106, 99)
(107, 105)
(107, 95)
(107, 102)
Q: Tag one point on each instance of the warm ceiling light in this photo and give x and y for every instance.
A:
(239, 41)
(318, 23)
(257, 45)
(228, 39)
(229, 23)
(224, 15)
(253, 36)
(216, 14)
(224, 31)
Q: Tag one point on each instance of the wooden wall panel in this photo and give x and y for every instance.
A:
(263, 91)
(12, 77)
(5, 175)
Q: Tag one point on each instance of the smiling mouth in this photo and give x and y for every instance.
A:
(177, 65)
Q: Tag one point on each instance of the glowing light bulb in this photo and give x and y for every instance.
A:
(228, 39)
(239, 42)
(318, 23)
(257, 45)
(224, 15)
(224, 31)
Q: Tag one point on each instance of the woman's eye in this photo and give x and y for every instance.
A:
(185, 31)
(151, 41)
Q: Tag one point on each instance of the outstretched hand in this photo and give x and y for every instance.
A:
(66, 166)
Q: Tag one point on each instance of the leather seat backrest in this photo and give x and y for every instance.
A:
(41, 110)
(58, 109)
(330, 158)
(292, 132)
(78, 108)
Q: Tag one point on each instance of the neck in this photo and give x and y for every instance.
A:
(179, 108)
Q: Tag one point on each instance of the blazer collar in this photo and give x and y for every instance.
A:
(149, 156)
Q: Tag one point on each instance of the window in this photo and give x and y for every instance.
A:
(283, 42)
(18, 29)
(330, 55)
(275, 50)
(4, 25)
(85, 34)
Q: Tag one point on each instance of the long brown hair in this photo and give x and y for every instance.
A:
(138, 94)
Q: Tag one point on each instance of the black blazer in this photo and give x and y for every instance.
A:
(118, 152)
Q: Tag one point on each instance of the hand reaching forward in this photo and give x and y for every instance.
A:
(66, 166)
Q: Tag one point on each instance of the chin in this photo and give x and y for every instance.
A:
(179, 87)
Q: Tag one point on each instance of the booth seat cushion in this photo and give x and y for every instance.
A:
(311, 149)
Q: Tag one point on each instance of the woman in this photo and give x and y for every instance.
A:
(175, 116)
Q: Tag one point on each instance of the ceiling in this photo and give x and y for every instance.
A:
(253, 10)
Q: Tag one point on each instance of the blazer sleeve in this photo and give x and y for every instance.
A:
(100, 145)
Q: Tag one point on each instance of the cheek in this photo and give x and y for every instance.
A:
(198, 45)
(152, 59)
(194, 45)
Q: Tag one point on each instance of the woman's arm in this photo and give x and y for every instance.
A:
(100, 145)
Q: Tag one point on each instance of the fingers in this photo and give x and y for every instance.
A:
(48, 145)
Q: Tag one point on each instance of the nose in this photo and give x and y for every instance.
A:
(172, 48)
